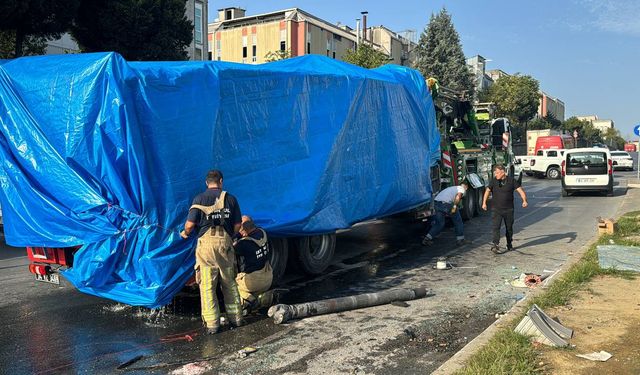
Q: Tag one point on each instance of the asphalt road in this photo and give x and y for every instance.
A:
(50, 329)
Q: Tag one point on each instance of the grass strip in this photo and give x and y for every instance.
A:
(511, 353)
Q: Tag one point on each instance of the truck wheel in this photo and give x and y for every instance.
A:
(553, 173)
(279, 256)
(314, 253)
(469, 203)
(479, 197)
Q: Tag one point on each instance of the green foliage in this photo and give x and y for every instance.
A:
(439, 54)
(484, 95)
(272, 56)
(587, 134)
(517, 97)
(30, 22)
(613, 139)
(32, 45)
(506, 353)
(136, 29)
(366, 56)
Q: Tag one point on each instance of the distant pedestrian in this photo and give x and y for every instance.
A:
(501, 190)
(216, 216)
(446, 205)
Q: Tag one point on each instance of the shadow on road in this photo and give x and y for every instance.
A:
(548, 238)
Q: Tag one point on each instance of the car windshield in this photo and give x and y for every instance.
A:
(580, 159)
(619, 154)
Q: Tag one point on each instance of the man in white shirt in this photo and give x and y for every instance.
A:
(446, 205)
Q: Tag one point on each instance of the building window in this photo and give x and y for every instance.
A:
(283, 46)
(309, 41)
(228, 16)
(254, 51)
(197, 20)
(244, 52)
(334, 54)
(198, 54)
(308, 47)
(210, 56)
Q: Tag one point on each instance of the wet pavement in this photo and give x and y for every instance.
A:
(48, 329)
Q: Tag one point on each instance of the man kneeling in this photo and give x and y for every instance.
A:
(254, 270)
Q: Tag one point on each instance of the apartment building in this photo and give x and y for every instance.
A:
(477, 65)
(550, 106)
(598, 123)
(401, 50)
(249, 39)
(197, 11)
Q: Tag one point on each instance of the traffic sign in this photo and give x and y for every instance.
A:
(636, 130)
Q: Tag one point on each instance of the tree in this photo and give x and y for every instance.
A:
(439, 54)
(516, 97)
(366, 56)
(554, 123)
(32, 45)
(278, 55)
(587, 133)
(539, 124)
(136, 29)
(29, 22)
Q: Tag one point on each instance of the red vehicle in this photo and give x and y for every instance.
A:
(554, 142)
(630, 147)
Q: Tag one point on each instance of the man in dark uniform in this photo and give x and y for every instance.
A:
(254, 270)
(216, 215)
(501, 189)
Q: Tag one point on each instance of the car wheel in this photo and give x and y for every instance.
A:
(529, 173)
(314, 253)
(279, 256)
(553, 173)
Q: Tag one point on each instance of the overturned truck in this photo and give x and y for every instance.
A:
(102, 157)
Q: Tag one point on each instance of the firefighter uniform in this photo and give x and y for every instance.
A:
(256, 275)
(216, 262)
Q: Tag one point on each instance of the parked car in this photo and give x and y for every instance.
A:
(546, 163)
(587, 169)
(622, 160)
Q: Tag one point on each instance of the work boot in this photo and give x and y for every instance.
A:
(236, 320)
(212, 330)
(510, 248)
(462, 242)
(426, 241)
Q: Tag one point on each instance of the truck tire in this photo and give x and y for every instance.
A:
(479, 197)
(469, 203)
(314, 253)
(553, 173)
(279, 255)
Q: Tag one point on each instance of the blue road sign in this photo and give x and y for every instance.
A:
(636, 130)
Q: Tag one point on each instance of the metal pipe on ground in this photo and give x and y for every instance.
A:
(282, 313)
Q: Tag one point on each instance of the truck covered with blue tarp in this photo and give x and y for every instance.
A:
(105, 156)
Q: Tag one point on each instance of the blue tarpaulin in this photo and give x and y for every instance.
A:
(108, 155)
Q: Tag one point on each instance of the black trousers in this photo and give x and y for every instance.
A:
(499, 215)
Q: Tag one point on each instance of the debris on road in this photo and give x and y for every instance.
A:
(244, 352)
(282, 313)
(540, 327)
(606, 226)
(400, 303)
(620, 257)
(601, 356)
(194, 368)
(128, 363)
(528, 280)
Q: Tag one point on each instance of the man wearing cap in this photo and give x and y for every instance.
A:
(446, 205)
(215, 214)
(254, 270)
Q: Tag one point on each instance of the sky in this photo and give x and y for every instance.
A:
(584, 52)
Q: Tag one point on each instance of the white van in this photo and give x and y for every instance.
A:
(587, 169)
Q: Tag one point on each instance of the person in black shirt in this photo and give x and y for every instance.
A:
(501, 189)
(254, 270)
(215, 214)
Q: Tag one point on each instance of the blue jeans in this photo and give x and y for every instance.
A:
(443, 210)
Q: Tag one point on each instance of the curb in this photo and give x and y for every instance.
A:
(460, 359)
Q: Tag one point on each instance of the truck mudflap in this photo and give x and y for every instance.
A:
(475, 181)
